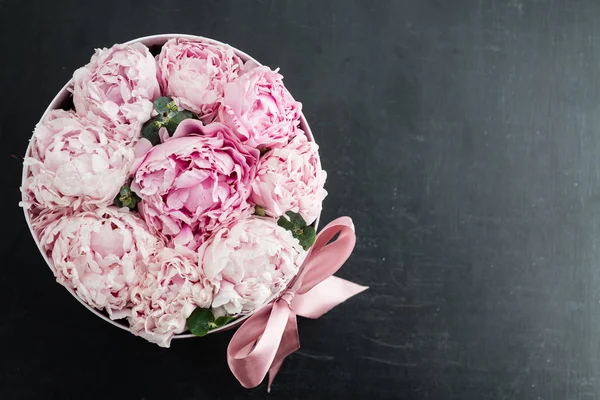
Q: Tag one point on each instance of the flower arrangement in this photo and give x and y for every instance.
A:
(179, 191)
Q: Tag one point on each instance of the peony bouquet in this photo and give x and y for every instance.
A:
(176, 187)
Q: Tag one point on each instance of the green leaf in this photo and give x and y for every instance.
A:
(294, 223)
(260, 211)
(150, 131)
(222, 321)
(201, 321)
(291, 221)
(307, 237)
(169, 117)
(126, 198)
(161, 105)
(174, 119)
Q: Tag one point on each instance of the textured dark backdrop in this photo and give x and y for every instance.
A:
(460, 135)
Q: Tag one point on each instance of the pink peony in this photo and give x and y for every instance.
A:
(199, 179)
(73, 162)
(291, 179)
(118, 85)
(101, 255)
(41, 218)
(249, 262)
(172, 289)
(194, 73)
(58, 120)
(260, 109)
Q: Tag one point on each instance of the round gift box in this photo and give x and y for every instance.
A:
(64, 94)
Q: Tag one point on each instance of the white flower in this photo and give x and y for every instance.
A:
(291, 179)
(174, 286)
(249, 262)
(73, 161)
(101, 255)
(118, 85)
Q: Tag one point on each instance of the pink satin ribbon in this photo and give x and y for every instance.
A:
(262, 343)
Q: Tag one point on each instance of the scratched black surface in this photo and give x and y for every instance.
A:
(461, 136)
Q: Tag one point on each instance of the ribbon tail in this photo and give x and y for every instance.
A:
(290, 342)
(255, 346)
(273, 373)
(325, 296)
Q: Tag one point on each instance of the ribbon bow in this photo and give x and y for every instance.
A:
(262, 343)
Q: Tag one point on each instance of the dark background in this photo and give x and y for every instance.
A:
(461, 136)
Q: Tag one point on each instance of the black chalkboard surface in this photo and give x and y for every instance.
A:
(462, 138)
